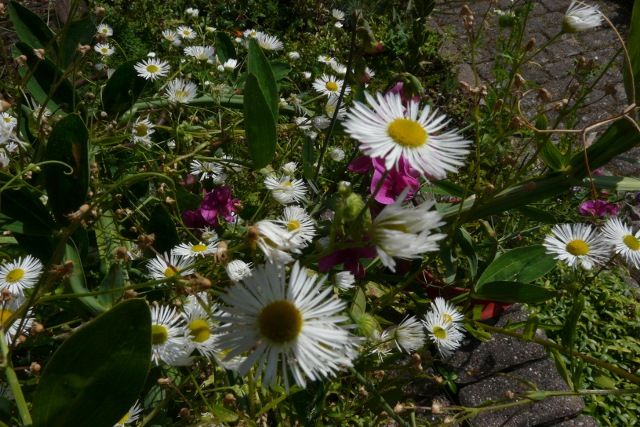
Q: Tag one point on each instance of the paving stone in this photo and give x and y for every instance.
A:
(580, 421)
(543, 374)
(477, 360)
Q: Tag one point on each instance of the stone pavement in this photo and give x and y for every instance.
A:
(551, 69)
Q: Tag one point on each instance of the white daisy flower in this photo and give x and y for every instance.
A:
(199, 325)
(172, 37)
(275, 242)
(7, 122)
(391, 131)
(290, 326)
(405, 231)
(7, 309)
(444, 335)
(168, 343)
(4, 160)
(186, 32)
(306, 75)
(285, 189)
(293, 55)
(200, 53)
(580, 17)
(336, 154)
(250, 33)
(369, 73)
(326, 59)
(152, 69)
(104, 49)
(132, 415)
(300, 224)
(330, 86)
(181, 91)
(208, 235)
(337, 14)
(338, 24)
(268, 42)
(192, 12)
(20, 274)
(330, 109)
(408, 335)
(625, 242)
(345, 280)
(208, 170)
(289, 168)
(238, 270)
(447, 313)
(230, 64)
(578, 245)
(142, 131)
(169, 265)
(104, 30)
(200, 249)
(338, 68)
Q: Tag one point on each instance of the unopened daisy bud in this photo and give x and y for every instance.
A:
(4, 105)
(79, 214)
(378, 374)
(40, 53)
(185, 413)
(336, 154)
(436, 407)
(367, 325)
(305, 74)
(466, 11)
(509, 394)
(168, 200)
(37, 328)
(35, 368)
(21, 60)
(220, 68)
(580, 17)
(199, 282)
(354, 204)
(146, 240)
(130, 293)
(99, 11)
(229, 400)
(531, 44)
(238, 270)
(399, 408)
(344, 188)
(362, 392)
(294, 55)
(544, 95)
(222, 255)
(518, 81)
(416, 362)
(163, 381)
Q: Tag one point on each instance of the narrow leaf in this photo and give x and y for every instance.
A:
(77, 281)
(29, 27)
(260, 124)
(258, 65)
(513, 292)
(633, 47)
(79, 32)
(97, 374)
(522, 265)
(123, 89)
(224, 47)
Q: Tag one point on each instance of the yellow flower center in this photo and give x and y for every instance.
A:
(280, 322)
(153, 68)
(15, 275)
(170, 271)
(578, 247)
(124, 419)
(199, 247)
(407, 133)
(5, 314)
(439, 332)
(199, 330)
(332, 86)
(181, 94)
(287, 184)
(141, 129)
(446, 318)
(159, 334)
(632, 242)
(293, 225)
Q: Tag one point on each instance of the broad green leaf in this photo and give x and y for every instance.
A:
(123, 89)
(551, 156)
(259, 123)
(538, 215)
(77, 281)
(464, 239)
(280, 69)
(614, 183)
(47, 82)
(633, 47)
(224, 47)
(29, 27)
(450, 188)
(68, 143)
(114, 283)
(359, 305)
(25, 207)
(98, 373)
(504, 291)
(569, 329)
(258, 65)
(519, 265)
(79, 32)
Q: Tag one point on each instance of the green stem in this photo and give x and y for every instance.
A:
(14, 384)
(385, 405)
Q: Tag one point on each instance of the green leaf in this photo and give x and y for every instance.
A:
(614, 183)
(79, 32)
(68, 143)
(633, 47)
(20, 205)
(561, 366)
(258, 65)
(77, 281)
(504, 291)
(551, 156)
(97, 374)
(280, 69)
(123, 89)
(464, 239)
(224, 47)
(47, 82)
(114, 283)
(522, 265)
(260, 124)
(29, 27)
(538, 215)
(359, 305)
(569, 329)
(223, 415)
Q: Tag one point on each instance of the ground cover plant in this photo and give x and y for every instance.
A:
(244, 215)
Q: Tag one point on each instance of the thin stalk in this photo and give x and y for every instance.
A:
(14, 384)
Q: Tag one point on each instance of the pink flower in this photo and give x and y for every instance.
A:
(404, 95)
(215, 205)
(350, 258)
(398, 178)
(598, 208)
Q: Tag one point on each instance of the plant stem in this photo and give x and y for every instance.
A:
(385, 405)
(14, 384)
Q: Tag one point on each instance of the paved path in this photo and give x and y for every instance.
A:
(552, 69)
